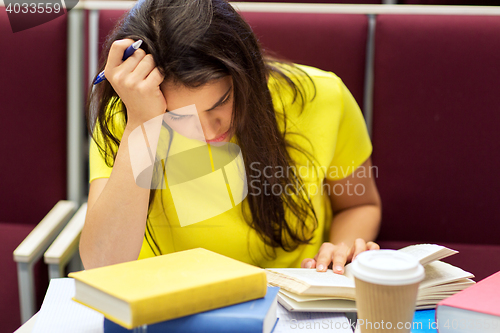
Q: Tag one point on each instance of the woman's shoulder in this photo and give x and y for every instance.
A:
(317, 88)
(311, 80)
(300, 72)
(316, 73)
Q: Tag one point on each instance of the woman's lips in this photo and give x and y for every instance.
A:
(220, 138)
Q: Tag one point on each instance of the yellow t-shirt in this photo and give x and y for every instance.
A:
(336, 136)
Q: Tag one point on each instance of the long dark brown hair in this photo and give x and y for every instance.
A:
(194, 42)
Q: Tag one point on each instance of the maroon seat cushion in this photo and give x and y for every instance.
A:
(11, 235)
(435, 127)
(107, 22)
(332, 42)
(33, 146)
(480, 260)
(33, 126)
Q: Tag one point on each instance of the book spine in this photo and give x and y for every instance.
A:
(208, 324)
(111, 327)
(197, 324)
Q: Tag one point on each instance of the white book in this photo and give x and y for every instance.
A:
(308, 290)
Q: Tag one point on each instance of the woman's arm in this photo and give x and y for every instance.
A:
(117, 207)
(356, 220)
(116, 215)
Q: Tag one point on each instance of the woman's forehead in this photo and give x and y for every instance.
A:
(220, 83)
(204, 96)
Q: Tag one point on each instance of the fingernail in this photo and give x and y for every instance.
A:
(338, 268)
(309, 264)
(321, 267)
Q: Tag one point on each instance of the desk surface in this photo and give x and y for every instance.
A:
(59, 314)
(27, 327)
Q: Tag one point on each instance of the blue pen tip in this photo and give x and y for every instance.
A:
(99, 78)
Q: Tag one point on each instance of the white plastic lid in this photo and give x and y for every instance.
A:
(387, 267)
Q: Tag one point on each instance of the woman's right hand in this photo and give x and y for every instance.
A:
(137, 81)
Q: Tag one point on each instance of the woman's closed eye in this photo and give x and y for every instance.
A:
(225, 101)
(176, 117)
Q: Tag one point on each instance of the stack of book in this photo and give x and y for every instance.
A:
(189, 291)
(474, 310)
(309, 290)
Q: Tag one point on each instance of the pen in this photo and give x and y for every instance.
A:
(128, 52)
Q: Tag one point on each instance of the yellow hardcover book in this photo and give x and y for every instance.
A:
(152, 290)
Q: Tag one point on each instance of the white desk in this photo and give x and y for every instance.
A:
(59, 312)
(27, 327)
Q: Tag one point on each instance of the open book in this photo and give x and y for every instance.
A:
(308, 290)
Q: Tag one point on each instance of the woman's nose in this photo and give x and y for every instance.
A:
(211, 127)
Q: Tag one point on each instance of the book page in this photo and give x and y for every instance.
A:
(327, 305)
(316, 279)
(426, 253)
(454, 287)
(307, 298)
(311, 322)
(439, 272)
(60, 314)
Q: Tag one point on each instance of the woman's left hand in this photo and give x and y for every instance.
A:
(335, 256)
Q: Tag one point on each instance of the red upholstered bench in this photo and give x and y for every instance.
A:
(11, 235)
(332, 42)
(33, 146)
(435, 133)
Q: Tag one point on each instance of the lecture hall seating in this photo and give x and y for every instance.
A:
(33, 140)
(332, 42)
(435, 134)
(435, 116)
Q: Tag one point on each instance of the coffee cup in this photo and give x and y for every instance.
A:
(386, 290)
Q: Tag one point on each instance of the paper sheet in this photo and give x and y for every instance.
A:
(60, 314)
(315, 278)
(311, 322)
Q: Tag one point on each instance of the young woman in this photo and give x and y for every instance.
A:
(312, 201)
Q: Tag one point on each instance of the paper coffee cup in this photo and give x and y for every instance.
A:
(386, 290)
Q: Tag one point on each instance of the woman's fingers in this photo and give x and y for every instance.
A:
(140, 73)
(340, 255)
(136, 68)
(155, 78)
(324, 256)
(336, 256)
(359, 246)
(116, 51)
(137, 82)
(308, 263)
(132, 62)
